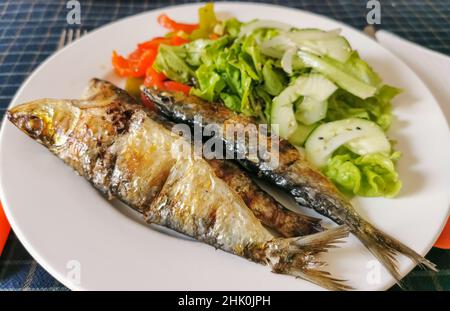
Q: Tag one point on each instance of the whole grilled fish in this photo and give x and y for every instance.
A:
(150, 176)
(125, 153)
(294, 174)
(266, 209)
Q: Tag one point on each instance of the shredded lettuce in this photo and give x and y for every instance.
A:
(371, 175)
(342, 105)
(171, 62)
(274, 79)
(210, 83)
(244, 72)
(232, 27)
(360, 69)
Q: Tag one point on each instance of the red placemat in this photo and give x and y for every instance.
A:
(444, 239)
(4, 228)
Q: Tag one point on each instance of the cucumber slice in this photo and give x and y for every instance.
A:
(310, 110)
(301, 133)
(338, 76)
(282, 116)
(317, 86)
(322, 43)
(367, 145)
(298, 35)
(283, 120)
(316, 89)
(287, 60)
(360, 135)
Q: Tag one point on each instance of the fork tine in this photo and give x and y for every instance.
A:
(77, 34)
(62, 39)
(69, 36)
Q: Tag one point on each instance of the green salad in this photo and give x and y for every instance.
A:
(309, 84)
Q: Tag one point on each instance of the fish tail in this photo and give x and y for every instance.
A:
(298, 257)
(386, 249)
(290, 224)
(307, 224)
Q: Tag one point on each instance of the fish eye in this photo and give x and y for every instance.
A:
(34, 125)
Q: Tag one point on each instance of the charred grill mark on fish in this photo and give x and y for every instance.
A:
(309, 187)
(265, 208)
(115, 145)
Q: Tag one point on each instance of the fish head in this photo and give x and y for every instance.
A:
(164, 100)
(48, 121)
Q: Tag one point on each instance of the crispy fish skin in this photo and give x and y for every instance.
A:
(106, 139)
(294, 174)
(110, 142)
(124, 153)
(266, 209)
(195, 202)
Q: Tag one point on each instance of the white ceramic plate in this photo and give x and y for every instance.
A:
(88, 243)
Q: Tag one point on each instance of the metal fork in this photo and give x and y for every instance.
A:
(370, 30)
(69, 35)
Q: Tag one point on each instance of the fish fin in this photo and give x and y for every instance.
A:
(386, 249)
(299, 225)
(313, 224)
(297, 257)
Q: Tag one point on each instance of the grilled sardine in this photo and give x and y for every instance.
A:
(125, 153)
(266, 209)
(294, 174)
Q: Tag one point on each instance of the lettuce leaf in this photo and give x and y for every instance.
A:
(274, 79)
(210, 83)
(378, 108)
(170, 61)
(193, 51)
(232, 27)
(232, 69)
(360, 69)
(371, 175)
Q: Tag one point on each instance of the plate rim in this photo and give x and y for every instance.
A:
(17, 229)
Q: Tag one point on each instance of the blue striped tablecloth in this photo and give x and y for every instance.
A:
(30, 30)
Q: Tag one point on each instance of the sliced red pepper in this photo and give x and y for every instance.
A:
(136, 64)
(177, 40)
(174, 86)
(120, 65)
(139, 62)
(154, 43)
(214, 36)
(144, 61)
(154, 78)
(170, 24)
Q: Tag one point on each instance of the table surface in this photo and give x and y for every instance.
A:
(29, 33)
